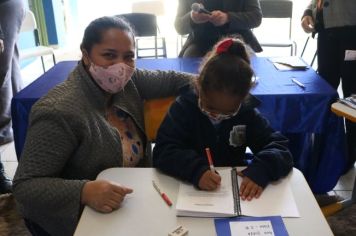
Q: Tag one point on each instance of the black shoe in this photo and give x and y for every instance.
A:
(5, 182)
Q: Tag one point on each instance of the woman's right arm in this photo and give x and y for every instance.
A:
(309, 10)
(183, 21)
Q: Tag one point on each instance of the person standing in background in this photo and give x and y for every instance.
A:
(11, 16)
(335, 23)
(227, 18)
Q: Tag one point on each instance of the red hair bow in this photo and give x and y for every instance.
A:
(224, 46)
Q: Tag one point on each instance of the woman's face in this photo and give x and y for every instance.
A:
(219, 103)
(115, 46)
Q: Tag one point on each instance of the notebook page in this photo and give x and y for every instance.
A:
(218, 203)
(276, 199)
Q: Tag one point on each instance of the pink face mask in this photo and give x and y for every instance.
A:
(113, 78)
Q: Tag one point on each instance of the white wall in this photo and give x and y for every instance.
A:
(90, 10)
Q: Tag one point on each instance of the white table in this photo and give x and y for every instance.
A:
(145, 213)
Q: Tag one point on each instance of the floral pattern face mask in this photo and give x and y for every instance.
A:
(113, 78)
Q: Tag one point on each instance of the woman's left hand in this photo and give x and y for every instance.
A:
(249, 189)
(219, 18)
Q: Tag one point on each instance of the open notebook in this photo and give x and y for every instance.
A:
(288, 63)
(276, 199)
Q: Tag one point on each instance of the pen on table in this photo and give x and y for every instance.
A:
(297, 82)
(163, 195)
(210, 159)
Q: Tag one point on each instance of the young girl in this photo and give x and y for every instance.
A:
(218, 112)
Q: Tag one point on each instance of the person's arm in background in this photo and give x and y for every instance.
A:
(157, 84)
(1, 41)
(272, 158)
(183, 21)
(248, 18)
(308, 20)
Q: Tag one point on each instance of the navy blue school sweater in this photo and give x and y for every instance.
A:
(185, 133)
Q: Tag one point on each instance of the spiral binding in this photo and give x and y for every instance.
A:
(235, 192)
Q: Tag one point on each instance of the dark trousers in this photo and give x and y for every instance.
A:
(11, 17)
(332, 44)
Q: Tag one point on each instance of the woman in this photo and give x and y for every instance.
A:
(228, 17)
(91, 122)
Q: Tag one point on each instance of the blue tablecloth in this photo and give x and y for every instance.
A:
(317, 138)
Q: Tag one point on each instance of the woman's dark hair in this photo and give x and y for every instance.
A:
(226, 68)
(94, 31)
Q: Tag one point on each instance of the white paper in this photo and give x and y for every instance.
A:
(194, 202)
(251, 228)
(350, 55)
(290, 61)
(276, 199)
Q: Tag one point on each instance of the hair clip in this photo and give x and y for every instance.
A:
(224, 46)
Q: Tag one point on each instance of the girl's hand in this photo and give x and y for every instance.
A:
(249, 189)
(103, 196)
(209, 180)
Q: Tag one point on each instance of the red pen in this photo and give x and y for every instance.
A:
(163, 195)
(210, 159)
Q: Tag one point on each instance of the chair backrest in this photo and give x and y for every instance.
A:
(155, 7)
(278, 9)
(154, 112)
(144, 24)
(29, 23)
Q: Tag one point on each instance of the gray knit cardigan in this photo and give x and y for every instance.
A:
(69, 142)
